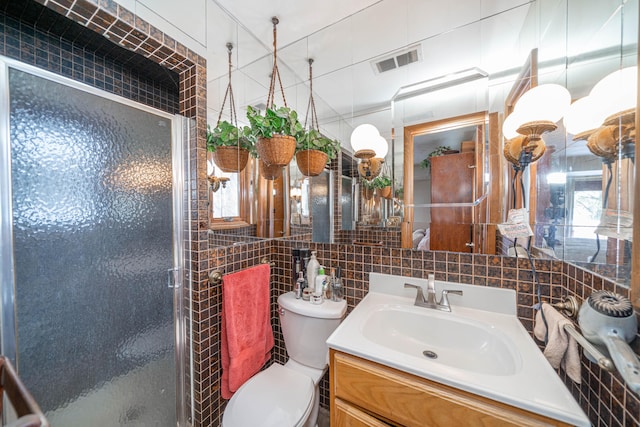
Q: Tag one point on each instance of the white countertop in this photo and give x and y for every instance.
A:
(535, 386)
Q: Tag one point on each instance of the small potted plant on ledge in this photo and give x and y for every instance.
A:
(441, 150)
(276, 132)
(314, 151)
(382, 184)
(230, 146)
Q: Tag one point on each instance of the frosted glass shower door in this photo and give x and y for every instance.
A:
(92, 239)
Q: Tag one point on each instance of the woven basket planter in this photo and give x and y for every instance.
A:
(385, 192)
(231, 159)
(277, 150)
(311, 162)
(270, 172)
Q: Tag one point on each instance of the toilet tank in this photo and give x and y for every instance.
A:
(306, 327)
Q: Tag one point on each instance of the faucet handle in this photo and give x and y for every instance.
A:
(444, 301)
(419, 294)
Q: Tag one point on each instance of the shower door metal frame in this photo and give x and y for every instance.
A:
(179, 277)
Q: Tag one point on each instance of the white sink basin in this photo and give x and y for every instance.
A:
(481, 346)
(444, 338)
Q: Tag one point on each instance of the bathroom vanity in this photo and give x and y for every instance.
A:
(393, 363)
(364, 393)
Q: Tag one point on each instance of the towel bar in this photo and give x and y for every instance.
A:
(265, 260)
(602, 360)
(570, 307)
(215, 277)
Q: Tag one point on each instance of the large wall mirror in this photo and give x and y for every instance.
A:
(359, 74)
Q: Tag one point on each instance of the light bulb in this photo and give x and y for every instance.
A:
(511, 124)
(363, 136)
(546, 102)
(380, 146)
(583, 115)
(617, 91)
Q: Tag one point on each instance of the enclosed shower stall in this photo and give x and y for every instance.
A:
(94, 290)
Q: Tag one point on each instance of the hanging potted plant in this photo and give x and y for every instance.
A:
(314, 151)
(275, 133)
(269, 172)
(230, 146)
(382, 184)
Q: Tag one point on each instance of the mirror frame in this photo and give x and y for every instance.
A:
(410, 132)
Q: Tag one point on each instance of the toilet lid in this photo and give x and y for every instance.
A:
(275, 397)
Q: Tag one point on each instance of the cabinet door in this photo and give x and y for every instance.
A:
(349, 416)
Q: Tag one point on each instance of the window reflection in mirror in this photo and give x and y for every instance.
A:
(225, 202)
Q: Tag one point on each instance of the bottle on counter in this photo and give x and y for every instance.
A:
(312, 270)
(329, 284)
(300, 285)
(320, 282)
(337, 291)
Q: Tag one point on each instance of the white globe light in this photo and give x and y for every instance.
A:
(363, 136)
(546, 102)
(380, 146)
(583, 115)
(511, 124)
(616, 92)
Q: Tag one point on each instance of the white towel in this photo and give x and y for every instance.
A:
(561, 349)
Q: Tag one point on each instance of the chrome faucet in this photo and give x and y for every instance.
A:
(431, 301)
(431, 289)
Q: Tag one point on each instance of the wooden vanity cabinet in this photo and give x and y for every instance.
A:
(367, 394)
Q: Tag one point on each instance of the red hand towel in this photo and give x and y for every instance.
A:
(247, 337)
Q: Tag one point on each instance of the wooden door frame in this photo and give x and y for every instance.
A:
(410, 132)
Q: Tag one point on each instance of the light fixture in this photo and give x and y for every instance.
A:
(535, 113)
(606, 117)
(616, 95)
(540, 108)
(432, 85)
(214, 181)
(370, 148)
(296, 193)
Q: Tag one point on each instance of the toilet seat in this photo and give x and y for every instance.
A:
(275, 397)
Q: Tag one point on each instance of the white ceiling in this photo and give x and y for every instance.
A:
(342, 38)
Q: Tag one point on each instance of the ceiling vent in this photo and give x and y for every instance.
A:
(397, 59)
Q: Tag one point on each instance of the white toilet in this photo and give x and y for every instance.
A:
(287, 396)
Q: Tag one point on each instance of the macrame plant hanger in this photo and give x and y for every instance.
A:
(229, 94)
(230, 158)
(311, 106)
(275, 73)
